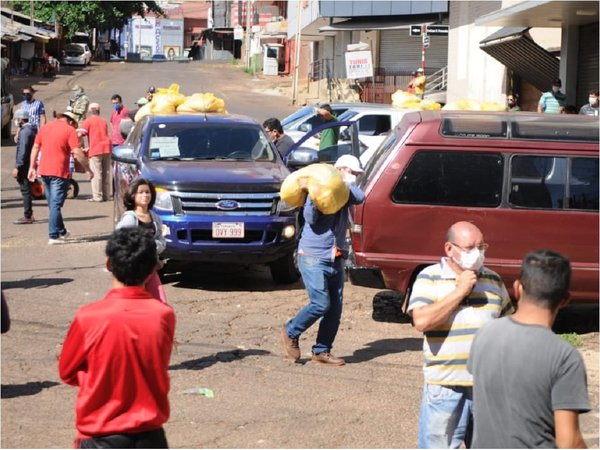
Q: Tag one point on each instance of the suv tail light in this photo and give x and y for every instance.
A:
(356, 236)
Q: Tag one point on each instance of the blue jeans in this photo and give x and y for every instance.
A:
(324, 282)
(446, 416)
(55, 189)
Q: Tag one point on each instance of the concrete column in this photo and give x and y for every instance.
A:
(569, 59)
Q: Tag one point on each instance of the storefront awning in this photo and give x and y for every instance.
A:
(543, 13)
(514, 48)
(360, 24)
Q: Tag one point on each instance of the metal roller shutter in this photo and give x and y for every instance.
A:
(399, 51)
(587, 76)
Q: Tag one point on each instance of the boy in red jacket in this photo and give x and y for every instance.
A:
(117, 351)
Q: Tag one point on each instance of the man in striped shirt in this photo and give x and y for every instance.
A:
(37, 112)
(449, 302)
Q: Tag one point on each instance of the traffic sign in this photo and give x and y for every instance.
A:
(425, 41)
(414, 30)
(436, 30)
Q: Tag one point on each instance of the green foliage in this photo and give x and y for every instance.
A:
(572, 338)
(84, 15)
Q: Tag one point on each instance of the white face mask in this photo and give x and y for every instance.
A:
(555, 88)
(349, 178)
(472, 260)
(593, 100)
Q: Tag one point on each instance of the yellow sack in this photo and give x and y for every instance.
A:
(143, 111)
(430, 105)
(163, 103)
(325, 187)
(202, 103)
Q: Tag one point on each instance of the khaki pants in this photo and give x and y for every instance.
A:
(101, 166)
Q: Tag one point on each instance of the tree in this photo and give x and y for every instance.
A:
(84, 15)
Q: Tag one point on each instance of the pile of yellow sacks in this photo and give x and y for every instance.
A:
(324, 184)
(474, 105)
(170, 100)
(405, 100)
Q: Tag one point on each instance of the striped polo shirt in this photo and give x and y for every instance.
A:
(36, 109)
(446, 348)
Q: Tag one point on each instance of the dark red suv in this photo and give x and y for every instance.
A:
(528, 181)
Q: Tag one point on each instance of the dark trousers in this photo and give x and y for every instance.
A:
(25, 186)
(146, 439)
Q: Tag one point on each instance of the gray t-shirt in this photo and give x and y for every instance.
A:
(521, 375)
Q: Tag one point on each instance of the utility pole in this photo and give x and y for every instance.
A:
(31, 13)
(297, 53)
(248, 28)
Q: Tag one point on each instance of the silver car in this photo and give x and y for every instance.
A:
(77, 54)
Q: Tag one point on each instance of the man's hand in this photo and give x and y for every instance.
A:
(466, 281)
(15, 173)
(89, 173)
(32, 174)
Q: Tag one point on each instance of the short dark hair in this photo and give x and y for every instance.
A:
(556, 82)
(117, 97)
(132, 255)
(594, 92)
(326, 107)
(273, 124)
(545, 276)
(129, 197)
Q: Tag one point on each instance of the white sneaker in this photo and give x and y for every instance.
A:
(65, 236)
(56, 241)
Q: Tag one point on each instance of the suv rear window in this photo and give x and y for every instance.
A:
(549, 182)
(452, 179)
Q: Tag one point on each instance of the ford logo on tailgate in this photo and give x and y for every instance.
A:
(227, 205)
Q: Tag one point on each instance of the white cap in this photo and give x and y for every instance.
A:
(420, 69)
(349, 161)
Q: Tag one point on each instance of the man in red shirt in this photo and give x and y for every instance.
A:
(118, 113)
(99, 150)
(59, 140)
(117, 352)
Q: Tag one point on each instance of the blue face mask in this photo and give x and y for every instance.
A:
(116, 106)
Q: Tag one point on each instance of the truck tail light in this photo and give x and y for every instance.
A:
(356, 235)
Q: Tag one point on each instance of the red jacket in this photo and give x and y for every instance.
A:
(117, 351)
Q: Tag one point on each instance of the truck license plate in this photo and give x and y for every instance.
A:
(228, 229)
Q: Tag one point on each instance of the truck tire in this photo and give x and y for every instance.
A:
(285, 269)
(6, 130)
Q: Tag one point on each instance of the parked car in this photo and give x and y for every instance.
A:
(306, 118)
(528, 181)
(77, 54)
(7, 101)
(374, 121)
(217, 179)
(159, 57)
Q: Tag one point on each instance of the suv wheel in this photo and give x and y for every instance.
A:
(285, 269)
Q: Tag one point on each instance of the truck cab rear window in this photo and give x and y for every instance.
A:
(452, 179)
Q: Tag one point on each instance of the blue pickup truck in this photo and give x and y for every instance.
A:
(217, 179)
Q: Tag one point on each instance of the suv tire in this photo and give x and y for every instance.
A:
(285, 269)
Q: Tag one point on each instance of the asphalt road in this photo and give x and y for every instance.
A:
(228, 318)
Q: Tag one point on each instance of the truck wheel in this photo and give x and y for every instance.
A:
(6, 130)
(285, 269)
